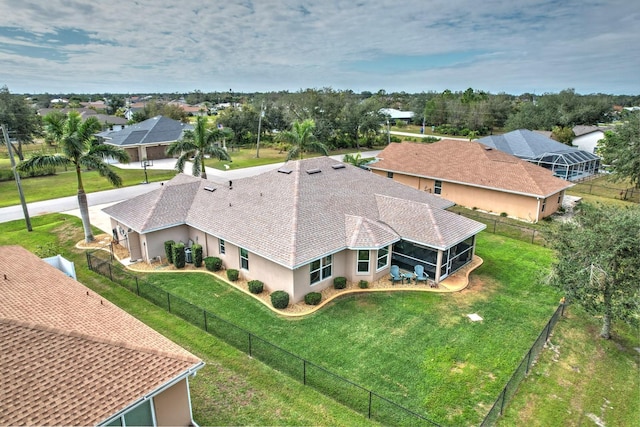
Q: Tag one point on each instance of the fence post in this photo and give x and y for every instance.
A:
(528, 361)
(370, 395)
(137, 286)
(548, 331)
(204, 313)
(110, 274)
(504, 393)
(533, 236)
(494, 226)
(304, 371)
(249, 344)
(169, 301)
(88, 260)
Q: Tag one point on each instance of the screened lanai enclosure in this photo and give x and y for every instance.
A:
(570, 165)
(407, 255)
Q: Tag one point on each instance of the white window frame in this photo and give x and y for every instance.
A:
(358, 261)
(221, 247)
(378, 258)
(437, 187)
(324, 263)
(244, 258)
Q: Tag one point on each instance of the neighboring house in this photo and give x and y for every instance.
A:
(70, 357)
(565, 162)
(587, 137)
(148, 139)
(475, 176)
(299, 227)
(108, 121)
(394, 115)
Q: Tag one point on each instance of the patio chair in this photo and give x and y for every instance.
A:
(395, 274)
(420, 275)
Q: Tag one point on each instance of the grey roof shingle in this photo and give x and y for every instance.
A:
(155, 130)
(295, 218)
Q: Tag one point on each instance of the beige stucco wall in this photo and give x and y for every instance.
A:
(526, 208)
(172, 406)
(154, 242)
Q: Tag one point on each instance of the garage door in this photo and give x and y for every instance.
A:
(157, 152)
(133, 154)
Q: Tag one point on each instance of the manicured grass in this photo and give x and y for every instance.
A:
(581, 379)
(246, 157)
(417, 349)
(232, 389)
(65, 184)
(603, 189)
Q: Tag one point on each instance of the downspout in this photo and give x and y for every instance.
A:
(538, 210)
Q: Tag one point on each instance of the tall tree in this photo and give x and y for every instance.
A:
(201, 141)
(78, 149)
(302, 139)
(20, 118)
(620, 148)
(54, 126)
(598, 265)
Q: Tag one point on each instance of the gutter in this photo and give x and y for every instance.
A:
(188, 373)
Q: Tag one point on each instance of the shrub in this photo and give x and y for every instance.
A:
(255, 286)
(178, 255)
(196, 251)
(213, 263)
(168, 250)
(340, 282)
(312, 298)
(280, 299)
(363, 284)
(232, 274)
(503, 214)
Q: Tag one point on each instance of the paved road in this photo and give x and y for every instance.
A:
(419, 135)
(101, 199)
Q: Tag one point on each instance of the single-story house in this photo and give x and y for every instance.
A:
(108, 121)
(475, 176)
(70, 357)
(147, 140)
(587, 137)
(395, 115)
(300, 226)
(569, 163)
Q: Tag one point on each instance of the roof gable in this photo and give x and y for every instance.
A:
(158, 129)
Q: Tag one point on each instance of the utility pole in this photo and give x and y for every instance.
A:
(259, 125)
(16, 175)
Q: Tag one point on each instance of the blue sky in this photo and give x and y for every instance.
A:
(63, 46)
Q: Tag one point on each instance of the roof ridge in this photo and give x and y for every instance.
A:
(88, 337)
(295, 211)
(164, 189)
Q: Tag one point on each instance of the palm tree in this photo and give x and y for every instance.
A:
(79, 149)
(196, 143)
(302, 139)
(355, 160)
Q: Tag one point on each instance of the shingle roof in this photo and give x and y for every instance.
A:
(293, 218)
(155, 130)
(69, 357)
(469, 163)
(526, 144)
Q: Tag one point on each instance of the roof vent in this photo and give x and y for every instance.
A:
(210, 189)
(283, 170)
(339, 166)
(488, 148)
(312, 171)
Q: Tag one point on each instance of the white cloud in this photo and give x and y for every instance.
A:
(130, 46)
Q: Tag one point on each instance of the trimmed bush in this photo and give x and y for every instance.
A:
(232, 274)
(196, 252)
(255, 286)
(168, 250)
(178, 255)
(280, 299)
(213, 263)
(312, 298)
(503, 214)
(363, 284)
(340, 282)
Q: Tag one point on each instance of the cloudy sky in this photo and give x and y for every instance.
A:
(513, 46)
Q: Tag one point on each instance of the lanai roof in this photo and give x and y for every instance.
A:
(68, 356)
(529, 145)
(305, 210)
(469, 163)
(158, 129)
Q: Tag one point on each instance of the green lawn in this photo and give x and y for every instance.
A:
(417, 349)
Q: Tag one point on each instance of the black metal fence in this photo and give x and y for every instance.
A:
(523, 369)
(341, 389)
(514, 231)
(630, 194)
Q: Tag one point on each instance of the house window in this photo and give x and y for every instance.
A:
(244, 258)
(221, 247)
(559, 198)
(389, 174)
(437, 187)
(320, 269)
(363, 261)
(140, 415)
(544, 204)
(383, 257)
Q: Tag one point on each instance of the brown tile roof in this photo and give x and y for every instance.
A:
(67, 356)
(470, 163)
(290, 218)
